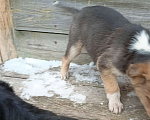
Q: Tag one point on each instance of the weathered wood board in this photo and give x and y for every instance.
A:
(40, 15)
(92, 109)
(45, 46)
(7, 48)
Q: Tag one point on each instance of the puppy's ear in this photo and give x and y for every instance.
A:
(133, 70)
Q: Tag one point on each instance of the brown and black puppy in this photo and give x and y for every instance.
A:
(114, 44)
(140, 78)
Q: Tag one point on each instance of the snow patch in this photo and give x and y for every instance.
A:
(27, 66)
(78, 98)
(101, 103)
(43, 82)
(85, 72)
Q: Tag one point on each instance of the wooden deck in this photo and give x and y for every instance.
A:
(95, 107)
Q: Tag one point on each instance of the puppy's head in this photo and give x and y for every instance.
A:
(140, 78)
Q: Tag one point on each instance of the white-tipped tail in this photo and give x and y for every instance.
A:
(64, 7)
(56, 3)
(141, 42)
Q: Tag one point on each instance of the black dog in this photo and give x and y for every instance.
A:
(117, 47)
(14, 108)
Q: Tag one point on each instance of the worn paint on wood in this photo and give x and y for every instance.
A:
(40, 15)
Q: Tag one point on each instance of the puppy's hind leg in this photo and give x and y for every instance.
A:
(73, 50)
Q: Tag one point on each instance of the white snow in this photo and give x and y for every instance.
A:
(27, 66)
(78, 98)
(85, 72)
(101, 103)
(44, 82)
(91, 64)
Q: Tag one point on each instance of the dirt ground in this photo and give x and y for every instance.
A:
(96, 105)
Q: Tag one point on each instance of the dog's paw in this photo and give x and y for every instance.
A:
(115, 106)
(64, 75)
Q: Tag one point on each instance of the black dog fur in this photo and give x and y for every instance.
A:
(14, 108)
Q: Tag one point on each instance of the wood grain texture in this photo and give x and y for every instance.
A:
(7, 49)
(45, 46)
(40, 15)
(96, 105)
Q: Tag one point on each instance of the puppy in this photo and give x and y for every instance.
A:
(14, 108)
(114, 44)
(140, 74)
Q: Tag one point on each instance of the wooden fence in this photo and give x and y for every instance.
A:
(42, 29)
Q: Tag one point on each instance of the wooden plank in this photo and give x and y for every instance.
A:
(45, 46)
(7, 48)
(96, 105)
(40, 15)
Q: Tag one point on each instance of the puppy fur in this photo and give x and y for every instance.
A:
(140, 74)
(113, 43)
(14, 108)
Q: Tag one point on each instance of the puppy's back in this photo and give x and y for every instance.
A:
(106, 15)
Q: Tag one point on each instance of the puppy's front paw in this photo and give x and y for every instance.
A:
(63, 75)
(115, 106)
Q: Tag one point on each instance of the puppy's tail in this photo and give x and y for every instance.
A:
(68, 9)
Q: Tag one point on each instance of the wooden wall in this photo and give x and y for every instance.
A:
(42, 29)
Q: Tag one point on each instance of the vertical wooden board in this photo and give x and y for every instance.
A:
(45, 46)
(7, 48)
(40, 15)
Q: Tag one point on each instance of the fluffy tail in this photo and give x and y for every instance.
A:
(68, 9)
